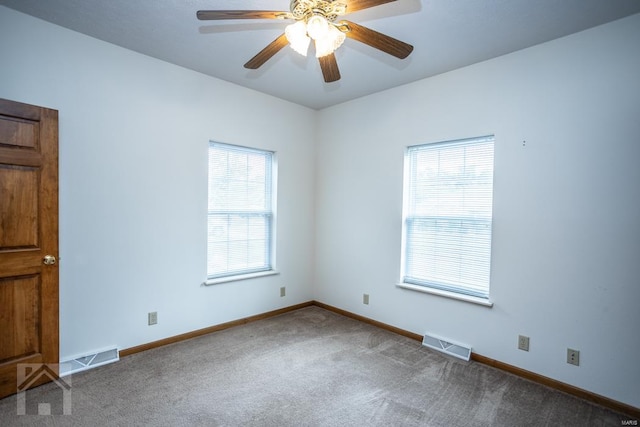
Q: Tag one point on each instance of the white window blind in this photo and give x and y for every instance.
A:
(240, 219)
(448, 216)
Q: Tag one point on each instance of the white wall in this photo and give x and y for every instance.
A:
(566, 235)
(134, 133)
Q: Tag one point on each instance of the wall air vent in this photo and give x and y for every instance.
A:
(88, 361)
(458, 350)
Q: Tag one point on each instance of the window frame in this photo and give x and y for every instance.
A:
(408, 218)
(270, 214)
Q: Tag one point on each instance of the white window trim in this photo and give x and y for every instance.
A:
(427, 289)
(447, 294)
(274, 204)
(238, 277)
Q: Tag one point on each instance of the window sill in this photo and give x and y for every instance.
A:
(446, 294)
(220, 280)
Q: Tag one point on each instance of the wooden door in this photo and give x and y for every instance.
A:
(28, 234)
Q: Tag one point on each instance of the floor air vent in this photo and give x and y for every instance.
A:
(458, 350)
(82, 363)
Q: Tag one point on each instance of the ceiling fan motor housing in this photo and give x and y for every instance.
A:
(304, 9)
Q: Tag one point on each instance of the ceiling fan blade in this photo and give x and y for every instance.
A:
(265, 54)
(214, 15)
(355, 5)
(378, 40)
(329, 67)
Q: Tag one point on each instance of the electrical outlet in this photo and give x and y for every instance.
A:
(153, 318)
(365, 299)
(283, 291)
(573, 357)
(523, 343)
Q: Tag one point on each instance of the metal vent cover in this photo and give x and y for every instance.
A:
(88, 361)
(461, 351)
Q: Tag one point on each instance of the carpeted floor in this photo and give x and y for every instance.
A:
(310, 367)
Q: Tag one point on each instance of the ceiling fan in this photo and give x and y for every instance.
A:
(316, 20)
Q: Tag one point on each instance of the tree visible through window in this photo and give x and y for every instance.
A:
(448, 216)
(240, 219)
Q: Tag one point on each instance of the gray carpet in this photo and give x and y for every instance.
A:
(310, 367)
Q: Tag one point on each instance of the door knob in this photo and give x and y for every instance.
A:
(49, 260)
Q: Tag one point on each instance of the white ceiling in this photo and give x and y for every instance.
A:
(446, 34)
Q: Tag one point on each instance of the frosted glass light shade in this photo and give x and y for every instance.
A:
(297, 36)
(330, 42)
(317, 27)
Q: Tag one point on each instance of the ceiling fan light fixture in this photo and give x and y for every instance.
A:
(332, 40)
(316, 19)
(297, 36)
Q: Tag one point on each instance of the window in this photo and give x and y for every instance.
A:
(241, 216)
(448, 216)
